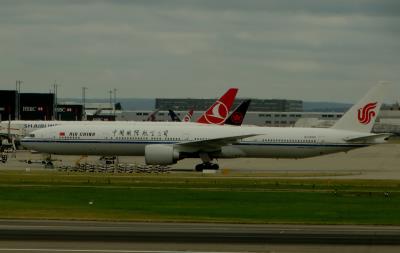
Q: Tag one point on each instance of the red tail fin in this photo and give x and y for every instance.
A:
(188, 116)
(218, 112)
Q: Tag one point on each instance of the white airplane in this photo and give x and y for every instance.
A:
(165, 144)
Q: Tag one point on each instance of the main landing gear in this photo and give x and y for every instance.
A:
(207, 166)
(4, 157)
(48, 161)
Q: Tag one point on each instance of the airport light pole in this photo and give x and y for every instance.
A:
(55, 102)
(17, 99)
(84, 102)
(111, 92)
(115, 99)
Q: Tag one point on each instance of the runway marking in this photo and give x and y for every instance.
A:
(110, 251)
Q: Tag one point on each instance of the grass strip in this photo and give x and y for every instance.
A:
(198, 199)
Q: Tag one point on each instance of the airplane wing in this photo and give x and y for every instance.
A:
(210, 145)
(369, 138)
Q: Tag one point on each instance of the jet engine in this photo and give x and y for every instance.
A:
(159, 154)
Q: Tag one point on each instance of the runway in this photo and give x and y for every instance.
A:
(196, 232)
(199, 233)
(41, 235)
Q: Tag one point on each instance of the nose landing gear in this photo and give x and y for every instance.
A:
(4, 158)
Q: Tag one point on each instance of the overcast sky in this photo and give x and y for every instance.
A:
(311, 50)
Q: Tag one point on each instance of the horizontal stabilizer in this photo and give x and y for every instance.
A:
(376, 138)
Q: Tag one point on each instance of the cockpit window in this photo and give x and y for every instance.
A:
(32, 135)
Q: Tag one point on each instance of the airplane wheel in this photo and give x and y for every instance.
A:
(49, 165)
(214, 166)
(211, 166)
(206, 166)
(199, 167)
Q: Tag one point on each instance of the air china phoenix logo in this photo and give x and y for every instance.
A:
(217, 114)
(366, 113)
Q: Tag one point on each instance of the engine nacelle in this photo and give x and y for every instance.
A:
(231, 152)
(159, 154)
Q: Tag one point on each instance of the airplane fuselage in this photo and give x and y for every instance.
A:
(130, 139)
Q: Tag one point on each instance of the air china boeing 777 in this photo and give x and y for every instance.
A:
(165, 144)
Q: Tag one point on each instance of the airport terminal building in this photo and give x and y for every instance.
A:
(263, 105)
(36, 106)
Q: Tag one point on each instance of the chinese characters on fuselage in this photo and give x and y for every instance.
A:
(139, 133)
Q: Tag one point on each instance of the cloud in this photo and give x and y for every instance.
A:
(297, 49)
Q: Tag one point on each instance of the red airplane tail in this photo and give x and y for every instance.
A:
(188, 116)
(219, 111)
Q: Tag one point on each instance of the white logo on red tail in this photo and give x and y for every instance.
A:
(217, 114)
(188, 116)
(367, 113)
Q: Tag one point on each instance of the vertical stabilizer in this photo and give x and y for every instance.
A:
(362, 116)
(237, 116)
(218, 112)
(173, 116)
(188, 116)
(152, 116)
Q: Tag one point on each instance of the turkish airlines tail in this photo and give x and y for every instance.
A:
(361, 117)
(188, 116)
(218, 112)
(237, 116)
